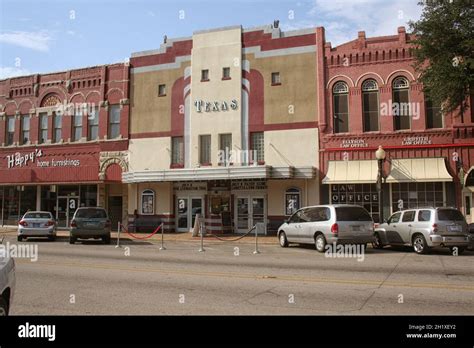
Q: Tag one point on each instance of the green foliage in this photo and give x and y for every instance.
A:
(444, 49)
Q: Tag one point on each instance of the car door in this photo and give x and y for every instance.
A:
(291, 229)
(405, 227)
(392, 229)
(316, 218)
(304, 225)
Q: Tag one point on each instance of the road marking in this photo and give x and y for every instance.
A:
(255, 276)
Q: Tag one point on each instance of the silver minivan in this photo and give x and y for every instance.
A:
(423, 229)
(328, 224)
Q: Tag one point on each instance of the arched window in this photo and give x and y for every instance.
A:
(400, 104)
(292, 200)
(340, 93)
(148, 202)
(370, 105)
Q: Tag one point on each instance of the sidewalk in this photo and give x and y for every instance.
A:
(171, 237)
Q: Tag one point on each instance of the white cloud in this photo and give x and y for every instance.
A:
(8, 71)
(38, 41)
(343, 18)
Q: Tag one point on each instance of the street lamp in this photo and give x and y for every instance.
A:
(380, 156)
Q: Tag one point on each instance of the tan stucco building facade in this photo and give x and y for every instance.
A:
(224, 124)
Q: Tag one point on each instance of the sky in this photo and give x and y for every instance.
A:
(40, 36)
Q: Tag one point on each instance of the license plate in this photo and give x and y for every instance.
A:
(36, 225)
(356, 228)
(455, 228)
(90, 224)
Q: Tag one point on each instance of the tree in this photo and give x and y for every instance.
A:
(443, 51)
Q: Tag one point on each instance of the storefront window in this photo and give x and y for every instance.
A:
(148, 202)
(415, 195)
(365, 195)
(27, 199)
(88, 196)
(219, 204)
(292, 201)
(68, 190)
(48, 198)
(12, 201)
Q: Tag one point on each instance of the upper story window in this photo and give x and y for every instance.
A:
(77, 126)
(114, 122)
(370, 105)
(205, 75)
(401, 104)
(93, 125)
(341, 107)
(161, 90)
(226, 73)
(434, 116)
(257, 146)
(10, 130)
(25, 129)
(57, 127)
(177, 150)
(205, 149)
(43, 128)
(276, 79)
(225, 147)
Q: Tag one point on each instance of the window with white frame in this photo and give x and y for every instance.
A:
(177, 150)
(257, 146)
(25, 129)
(292, 200)
(114, 122)
(148, 202)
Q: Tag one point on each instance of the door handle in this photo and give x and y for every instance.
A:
(409, 225)
(394, 225)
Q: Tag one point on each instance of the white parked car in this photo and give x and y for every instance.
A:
(7, 284)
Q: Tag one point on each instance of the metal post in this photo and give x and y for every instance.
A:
(379, 186)
(202, 237)
(256, 240)
(162, 245)
(118, 235)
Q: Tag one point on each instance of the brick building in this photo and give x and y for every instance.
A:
(64, 138)
(362, 84)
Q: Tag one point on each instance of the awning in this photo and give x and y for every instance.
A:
(419, 170)
(351, 172)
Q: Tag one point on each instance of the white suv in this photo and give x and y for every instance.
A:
(424, 228)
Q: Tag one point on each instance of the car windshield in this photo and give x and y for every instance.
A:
(38, 216)
(450, 215)
(352, 214)
(91, 213)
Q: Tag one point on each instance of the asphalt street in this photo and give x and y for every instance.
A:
(138, 278)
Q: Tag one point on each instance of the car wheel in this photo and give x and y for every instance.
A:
(460, 250)
(19, 238)
(3, 307)
(106, 239)
(320, 242)
(377, 243)
(419, 244)
(72, 240)
(282, 239)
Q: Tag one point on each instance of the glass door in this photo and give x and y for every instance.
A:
(182, 214)
(187, 208)
(242, 214)
(250, 211)
(65, 210)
